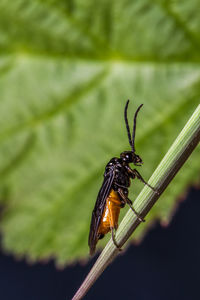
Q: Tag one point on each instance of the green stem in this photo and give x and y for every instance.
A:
(179, 152)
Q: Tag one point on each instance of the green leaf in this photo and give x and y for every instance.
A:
(66, 71)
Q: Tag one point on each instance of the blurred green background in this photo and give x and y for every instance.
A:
(66, 71)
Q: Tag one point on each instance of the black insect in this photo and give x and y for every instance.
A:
(113, 194)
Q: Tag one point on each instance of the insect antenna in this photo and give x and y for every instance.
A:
(127, 125)
(134, 128)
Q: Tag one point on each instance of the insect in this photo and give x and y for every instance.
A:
(113, 194)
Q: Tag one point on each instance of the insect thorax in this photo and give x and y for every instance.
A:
(121, 175)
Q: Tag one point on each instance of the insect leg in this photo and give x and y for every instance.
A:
(123, 186)
(114, 240)
(129, 202)
(137, 174)
(112, 227)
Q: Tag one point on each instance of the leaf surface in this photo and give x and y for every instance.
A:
(66, 71)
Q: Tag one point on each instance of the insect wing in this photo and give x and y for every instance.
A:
(98, 210)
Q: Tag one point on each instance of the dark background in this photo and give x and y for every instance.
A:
(164, 266)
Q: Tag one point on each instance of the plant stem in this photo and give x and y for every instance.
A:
(179, 152)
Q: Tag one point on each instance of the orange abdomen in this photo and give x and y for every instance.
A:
(110, 215)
